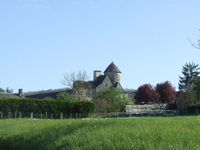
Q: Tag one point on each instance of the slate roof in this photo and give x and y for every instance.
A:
(99, 80)
(119, 87)
(112, 68)
(46, 94)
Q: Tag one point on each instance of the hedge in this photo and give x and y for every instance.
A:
(42, 106)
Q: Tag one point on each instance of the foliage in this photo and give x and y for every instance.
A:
(190, 72)
(167, 92)
(146, 94)
(9, 90)
(187, 98)
(64, 96)
(110, 100)
(78, 83)
(2, 90)
(48, 98)
(169, 133)
(197, 87)
(42, 106)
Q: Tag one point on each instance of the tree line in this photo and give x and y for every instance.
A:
(188, 94)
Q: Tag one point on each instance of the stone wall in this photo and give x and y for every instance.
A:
(114, 77)
(146, 107)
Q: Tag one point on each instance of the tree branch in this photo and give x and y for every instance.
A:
(196, 45)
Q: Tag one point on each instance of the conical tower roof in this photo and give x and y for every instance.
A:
(112, 68)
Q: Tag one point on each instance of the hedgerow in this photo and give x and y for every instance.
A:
(43, 105)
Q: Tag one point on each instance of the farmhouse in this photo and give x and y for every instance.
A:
(111, 78)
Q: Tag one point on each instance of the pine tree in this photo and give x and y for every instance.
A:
(190, 72)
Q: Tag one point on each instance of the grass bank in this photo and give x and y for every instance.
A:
(119, 133)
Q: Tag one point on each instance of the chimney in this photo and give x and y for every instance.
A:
(96, 74)
(20, 92)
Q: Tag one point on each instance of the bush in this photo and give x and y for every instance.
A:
(110, 100)
(43, 105)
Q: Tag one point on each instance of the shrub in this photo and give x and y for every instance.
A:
(42, 106)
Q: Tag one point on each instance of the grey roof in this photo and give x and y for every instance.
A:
(119, 87)
(112, 68)
(99, 80)
(46, 94)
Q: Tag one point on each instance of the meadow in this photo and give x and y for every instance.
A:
(140, 133)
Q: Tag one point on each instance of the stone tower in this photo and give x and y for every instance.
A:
(114, 73)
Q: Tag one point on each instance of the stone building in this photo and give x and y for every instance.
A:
(111, 78)
(12, 95)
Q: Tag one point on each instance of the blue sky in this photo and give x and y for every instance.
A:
(148, 40)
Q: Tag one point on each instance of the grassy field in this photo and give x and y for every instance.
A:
(119, 133)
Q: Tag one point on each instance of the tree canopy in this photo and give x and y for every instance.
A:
(190, 73)
(110, 100)
(7, 90)
(64, 96)
(2, 90)
(196, 87)
(188, 98)
(146, 94)
(167, 92)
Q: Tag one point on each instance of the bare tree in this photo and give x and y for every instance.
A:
(78, 82)
(196, 45)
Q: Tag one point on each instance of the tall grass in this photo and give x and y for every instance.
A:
(119, 133)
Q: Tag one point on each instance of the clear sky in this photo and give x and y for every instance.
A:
(147, 39)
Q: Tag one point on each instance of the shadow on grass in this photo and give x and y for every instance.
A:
(46, 138)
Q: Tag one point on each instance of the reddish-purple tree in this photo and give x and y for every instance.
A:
(167, 92)
(146, 94)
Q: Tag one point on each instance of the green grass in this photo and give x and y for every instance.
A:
(122, 133)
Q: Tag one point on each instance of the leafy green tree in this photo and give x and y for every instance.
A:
(190, 73)
(48, 98)
(2, 90)
(111, 100)
(64, 96)
(9, 90)
(197, 87)
(187, 98)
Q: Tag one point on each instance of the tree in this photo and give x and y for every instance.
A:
(167, 92)
(2, 90)
(196, 87)
(190, 72)
(196, 45)
(110, 100)
(9, 90)
(64, 96)
(188, 98)
(81, 89)
(146, 94)
(48, 98)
